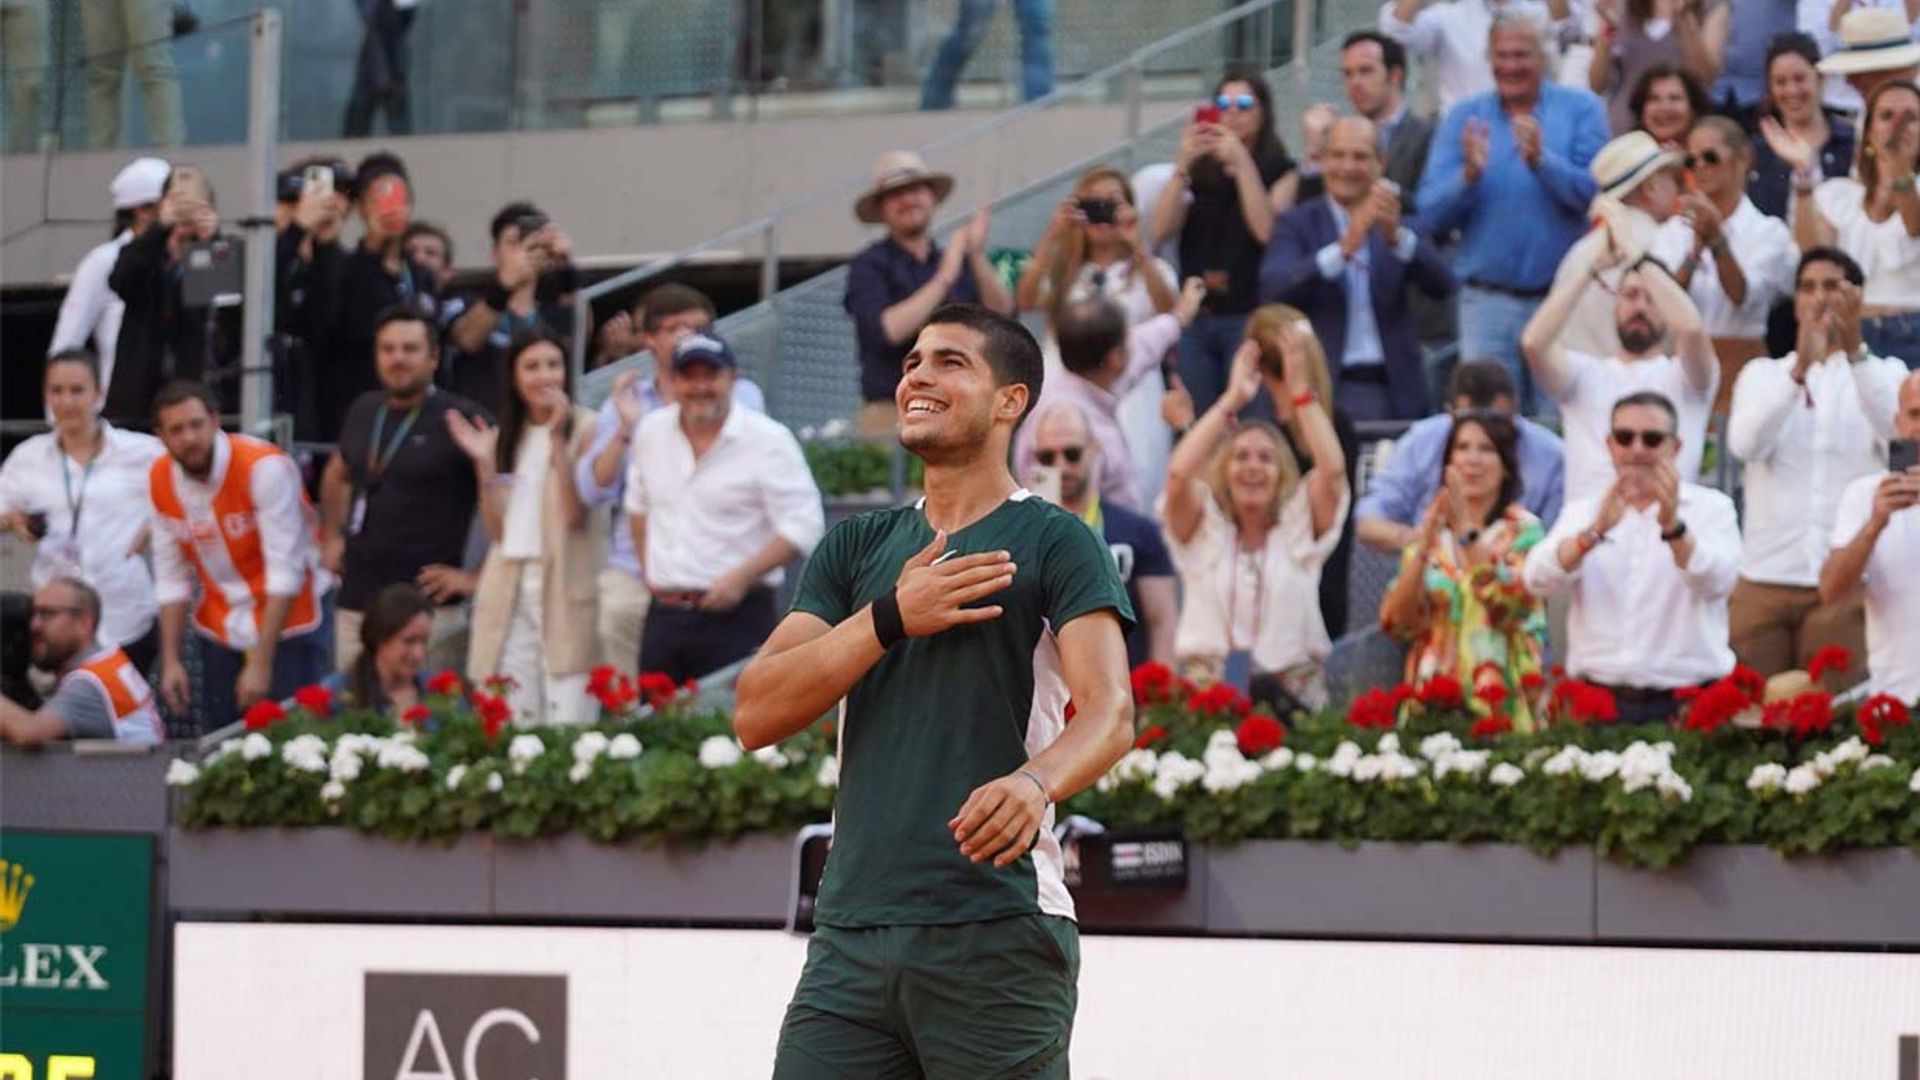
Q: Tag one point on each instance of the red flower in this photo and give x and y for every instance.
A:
(317, 700)
(1880, 712)
(601, 679)
(1152, 683)
(1532, 682)
(1258, 734)
(502, 684)
(1829, 658)
(1749, 682)
(447, 683)
(657, 688)
(1488, 727)
(1155, 733)
(1219, 699)
(1807, 714)
(494, 713)
(1492, 694)
(690, 687)
(1441, 692)
(416, 714)
(1585, 703)
(1376, 708)
(264, 714)
(1715, 706)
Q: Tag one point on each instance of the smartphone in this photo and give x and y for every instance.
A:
(188, 182)
(392, 203)
(1044, 481)
(1207, 114)
(1099, 211)
(1168, 369)
(530, 224)
(1903, 454)
(37, 525)
(317, 178)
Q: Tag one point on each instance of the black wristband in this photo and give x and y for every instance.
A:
(495, 295)
(1679, 530)
(887, 624)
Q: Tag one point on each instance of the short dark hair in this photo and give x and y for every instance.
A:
(1847, 266)
(1652, 399)
(1392, 53)
(1505, 437)
(671, 298)
(510, 214)
(85, 596)
(181, 391)
(1088, 332)
(83, 356)
(1697, 99)
(428, 228)
(1008, 347)
(1481, 382)
(399, 313)
(1795, 43)
(375, 165)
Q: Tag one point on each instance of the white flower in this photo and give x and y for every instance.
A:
(496, 783)
(1875, 761)
(806, 434)
(1600, 766)
(1767, 777)
(225, 749)
(1306, 762)
(1802, 779)
(1913, 785)
(522, 750)
(835, 428)
(1388, 744)
(403, 757)
(332, 790)
(719, 751)
(1226, 767)
(1672, 783)
(1642, 765)
(455, 775)
(1463, 762)
(1174, 771)
(255, 746)
(590, 745)
(1137, 765)
(1345, 756)
(828, 774)
(305, 753)
(1438, 745)
(182, 773)
(580, 771)
(624, 747)
(771, 757)
(1506, 774)
(345, 766)
(1535, 756)
(1567, 760)
(1850, 752)
(1277, 759)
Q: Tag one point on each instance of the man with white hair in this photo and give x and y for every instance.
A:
(1451, 37)
(91, 311)
(1508, 168)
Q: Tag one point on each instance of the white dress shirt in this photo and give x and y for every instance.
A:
(520, 522)
(1586, 411)
(1802, 446)
(1893, 590)
(91, 311)
(1638, 619)
(1887, 255)
(1763, 247)
(707, 515)
(1451, 39)
(110, 498)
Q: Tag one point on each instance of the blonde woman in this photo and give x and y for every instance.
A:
(1250, 531)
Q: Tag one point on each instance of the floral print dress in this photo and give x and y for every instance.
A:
(1486, 630)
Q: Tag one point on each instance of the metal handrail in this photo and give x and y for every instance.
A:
(766, 226)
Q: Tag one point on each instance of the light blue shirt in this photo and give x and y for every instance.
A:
(1363, 327)
(1412, 477)
(620, 550)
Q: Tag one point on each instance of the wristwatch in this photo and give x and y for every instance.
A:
(1679, 530)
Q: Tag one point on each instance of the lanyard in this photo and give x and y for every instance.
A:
(75, 505)
(377, 462)
(1233, 592)
(1092, 516)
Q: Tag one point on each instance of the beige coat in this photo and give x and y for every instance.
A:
(570, 598)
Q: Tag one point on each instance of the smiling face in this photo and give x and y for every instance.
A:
(948, 399)
(1351, 161)
(1719, 169)
(1476, 461)
(1636, 461)
(1794, 87)
(907, 212)
(1254, 473)
(1668, 113)
(539, 369)
(1518, 65)
(1892, 117)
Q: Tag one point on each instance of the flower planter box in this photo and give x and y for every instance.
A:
(1750, 894)
(327, 871)
(1454, 891)
(749, 880)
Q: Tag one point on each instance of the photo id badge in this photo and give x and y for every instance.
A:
(357, 514)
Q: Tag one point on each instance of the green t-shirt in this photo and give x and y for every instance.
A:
(941, 715)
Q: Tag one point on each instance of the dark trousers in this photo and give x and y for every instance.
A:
(380, 79)
(1639, 706)
(684, 642)
(298, 662)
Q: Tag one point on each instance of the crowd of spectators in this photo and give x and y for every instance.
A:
(1515, 349)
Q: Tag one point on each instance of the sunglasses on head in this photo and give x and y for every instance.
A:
(1071, 453)
(1709, 157)
(1242, 102)
(1652, 440)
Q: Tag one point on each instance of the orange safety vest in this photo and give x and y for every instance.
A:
(134, 717)
(225, 548)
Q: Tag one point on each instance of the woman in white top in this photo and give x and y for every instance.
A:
(1092, 248)
(535, 606)
(1873, 215)
(87, 472)
(1249, 534)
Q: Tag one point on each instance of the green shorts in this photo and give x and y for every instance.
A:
(970, 1000)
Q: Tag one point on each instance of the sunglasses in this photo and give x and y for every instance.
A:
(1071, 453)
(1709, 157)
(1242, 102)
(1652, 440)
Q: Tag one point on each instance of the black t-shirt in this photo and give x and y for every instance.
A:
(1138, 552)
(482, 375)
(418, 508)
(1215, 245)
(349, 303)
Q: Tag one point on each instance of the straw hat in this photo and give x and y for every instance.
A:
(1622, 164)
(897, 169)
(1872, 39)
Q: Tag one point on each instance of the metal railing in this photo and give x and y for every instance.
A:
(1255, 19)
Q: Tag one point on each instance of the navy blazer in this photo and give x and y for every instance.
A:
(1289, 274)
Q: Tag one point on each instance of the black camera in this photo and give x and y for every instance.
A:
(1100, 211)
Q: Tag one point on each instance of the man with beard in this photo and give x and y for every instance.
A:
(231, 510)
(1650, 311)
(895, 283)
(100, 694)
(973, 643)
(1650, 562)
(720, 498)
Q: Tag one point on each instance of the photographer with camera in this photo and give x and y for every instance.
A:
(181, 285)
(90, 313)
(311, 202)
(532, 287)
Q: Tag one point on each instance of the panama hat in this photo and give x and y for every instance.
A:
(1622, 164)
(1872, 39)
(897, 169)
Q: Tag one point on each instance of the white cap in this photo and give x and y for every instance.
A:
(139, 183)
